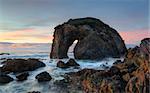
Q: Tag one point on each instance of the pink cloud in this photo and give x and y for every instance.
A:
(134, 37)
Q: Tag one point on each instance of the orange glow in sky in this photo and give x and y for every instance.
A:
(25, 36)
(36, 36)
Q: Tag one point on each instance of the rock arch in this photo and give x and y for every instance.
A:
(96, 40)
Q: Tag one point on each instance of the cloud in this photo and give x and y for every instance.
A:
(134, 37)
(26, 36)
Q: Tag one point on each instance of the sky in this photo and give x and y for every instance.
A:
(33, 21)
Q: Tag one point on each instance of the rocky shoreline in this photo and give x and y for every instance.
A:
(128, 76)
(96, 40)
(132, 75)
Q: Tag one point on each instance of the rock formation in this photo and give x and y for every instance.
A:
(96, 40)
(4, 78)
(22, 76)
(130, 76)
(71, 63)
(43, 76)
(20, 65)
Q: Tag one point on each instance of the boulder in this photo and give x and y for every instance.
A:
(44, 76)
(35, 92)
(22, 76)
(61, 64)
(71, 63)
(96, 40)
(4, 78)
(21, 65)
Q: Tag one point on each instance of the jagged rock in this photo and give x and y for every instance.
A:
(96, 40)
(61, 64)
(21, 65)
(35, 92)
(117, 62)
(4, 78)
(22, 76)
(44, 76)
(71, 63)
(130, 76)
(145, 46)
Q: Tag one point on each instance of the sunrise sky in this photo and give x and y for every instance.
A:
(33, 21)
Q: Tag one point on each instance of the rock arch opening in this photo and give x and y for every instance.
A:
(71, 49)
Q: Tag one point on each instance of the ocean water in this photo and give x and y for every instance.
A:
(41, 51)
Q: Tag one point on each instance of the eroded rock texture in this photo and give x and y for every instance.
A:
(130, 76)
(96, 40)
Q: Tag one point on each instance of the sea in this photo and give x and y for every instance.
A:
(41, 51)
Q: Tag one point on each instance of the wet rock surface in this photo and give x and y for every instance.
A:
(4, 78)
(96, 40)
(71, 63)
(130, 76)
(22, 76)
(21, 65)
(44, 76)
(35, 92)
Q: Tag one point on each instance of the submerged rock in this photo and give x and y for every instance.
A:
(44, 76)
(35, 92)
(22, 76)
(96, 40)
(5, 78)
(21, 65)
(71, 63)
(61, 64)
(4, 54)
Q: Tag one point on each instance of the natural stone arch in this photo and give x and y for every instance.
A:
(96, 40)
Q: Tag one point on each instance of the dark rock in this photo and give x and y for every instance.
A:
(3, 59)
(130, 76)
(44, 76)
(22, 76)
(72, 62)
(117, 62)
(114, 70)
(104, 66)
(21, 65)
(4, 54)
(145, 46)
(4, 78)
(96, 40)
(35, 92)
(61, 64)
(132, 68)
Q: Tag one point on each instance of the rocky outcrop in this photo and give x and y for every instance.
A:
(71, 63)
(130, 76)
(4, 54)
(5, 78)
(44, 76)
(21, 65)
(22, 76)
(96, 40)
(35, 92)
